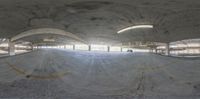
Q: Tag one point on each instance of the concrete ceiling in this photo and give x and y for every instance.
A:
(97, 21)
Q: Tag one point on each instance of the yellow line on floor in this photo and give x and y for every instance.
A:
(20, 71)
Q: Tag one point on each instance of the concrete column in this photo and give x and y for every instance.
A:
(162, 51)
(167, 49)
(11, 48)
(151, 50)
(121, 49)
(108, 48)
(156, 50)
(32, 47)
(89, 47)
(74, 47)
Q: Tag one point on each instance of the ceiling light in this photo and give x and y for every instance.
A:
(49, 40)
(4, 39)
(135, 27)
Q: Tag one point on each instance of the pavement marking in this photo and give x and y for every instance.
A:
(20, 71)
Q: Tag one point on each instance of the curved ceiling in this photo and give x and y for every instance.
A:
(47, 31)
(97, 21)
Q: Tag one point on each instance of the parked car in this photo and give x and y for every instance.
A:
(130, 51)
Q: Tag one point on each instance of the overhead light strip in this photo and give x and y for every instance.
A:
(135, 27)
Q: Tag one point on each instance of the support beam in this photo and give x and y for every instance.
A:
(11, 48)
(167, 49)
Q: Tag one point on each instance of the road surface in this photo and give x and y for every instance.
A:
(59, 74)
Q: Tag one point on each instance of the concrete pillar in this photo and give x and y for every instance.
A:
(162, 51)
(108, 48)
(121, 49)
(32, 47)
(74, 47)
(156, 50)
(151, 50)
(11, 48)
(167, 49)
(89, 47)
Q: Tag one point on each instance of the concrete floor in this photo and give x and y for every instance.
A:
(58, 74)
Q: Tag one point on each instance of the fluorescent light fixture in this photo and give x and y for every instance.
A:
(4, 39)
(49, 40)
(135, 27)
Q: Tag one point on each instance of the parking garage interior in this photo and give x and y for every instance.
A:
(99, 49)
